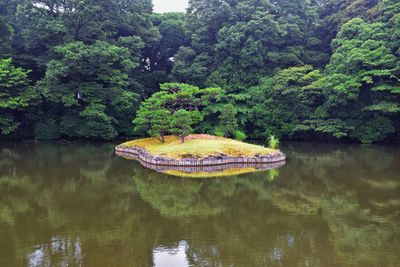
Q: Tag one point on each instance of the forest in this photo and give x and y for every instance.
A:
(295, 69)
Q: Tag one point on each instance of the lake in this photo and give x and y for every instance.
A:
(81, 205)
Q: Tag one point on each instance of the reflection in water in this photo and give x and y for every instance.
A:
(205, 171)
(80, 205)
(58, 252)
(167, 257)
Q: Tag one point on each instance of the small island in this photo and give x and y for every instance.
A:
(199, 150)
(171, 116)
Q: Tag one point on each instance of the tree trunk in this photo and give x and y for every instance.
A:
(162, 136)
(183, 139)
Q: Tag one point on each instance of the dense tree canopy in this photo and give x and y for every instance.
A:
(295, 69)
(233, 43)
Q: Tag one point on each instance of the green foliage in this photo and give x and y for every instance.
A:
(362, 102)
(335, 13)
(6, 32)
(375, 129)
(175, 110)
(295, 69)
(354, 98)
(228, 121)
(153, 119)
(239, 135)
(108, 52)
(234, 43)
(389, 9)
(282, 102)
(96, 123)
(219, 132)
(13, 81)
(182, 121)
(14, 95)
(47, 130)
(273, 142)
(89, 83)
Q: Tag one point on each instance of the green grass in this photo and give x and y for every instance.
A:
(273, 142)
(200, 146)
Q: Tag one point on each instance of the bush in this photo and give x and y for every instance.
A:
(239, 135)
(219, 132)
(273, 142)
(47, 130)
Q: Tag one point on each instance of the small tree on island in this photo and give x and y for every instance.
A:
(153, 119)
(160, 124)
(182, 121)
(173, 110)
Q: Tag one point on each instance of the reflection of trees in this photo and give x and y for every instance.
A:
(68, 193)
(175, 197)
(345, 186)
(350, 192)
(246, 230)
(182, 197)
(329, 206)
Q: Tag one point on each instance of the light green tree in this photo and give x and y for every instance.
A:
(14, 95)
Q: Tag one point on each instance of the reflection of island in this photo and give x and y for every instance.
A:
(206, 171)
(330, 205)
(201, 155)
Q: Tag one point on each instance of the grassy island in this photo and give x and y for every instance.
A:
(199, 146)
(201, 156)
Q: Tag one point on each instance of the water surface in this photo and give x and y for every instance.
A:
(81, 205)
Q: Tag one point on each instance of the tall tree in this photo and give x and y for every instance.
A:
(14, 96)
(89, 83)
(334, 13)
(281, 103)
(158, 58)
(234, 43)
(363, 80)
(7, 26)
(46, 24)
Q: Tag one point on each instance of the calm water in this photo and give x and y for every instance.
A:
(80, 205)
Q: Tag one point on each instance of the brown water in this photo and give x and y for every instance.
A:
(80, 205)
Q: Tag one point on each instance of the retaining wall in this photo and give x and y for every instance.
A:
(210, 169)
(144, 156)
